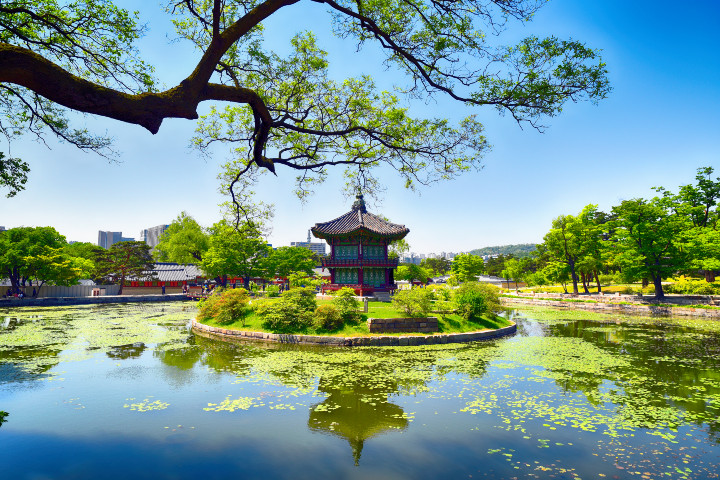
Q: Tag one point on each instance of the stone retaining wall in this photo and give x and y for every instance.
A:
(399, 325)
(618, 307)
(375, 341)
(65, 301)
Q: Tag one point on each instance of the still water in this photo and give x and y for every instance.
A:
(126, 391)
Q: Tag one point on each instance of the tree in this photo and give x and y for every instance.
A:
(644, 234)
(86, 251)
(184, 241)
(124, 260)
(699, 204)
(52, 265)
(467, 267)
(235, 252)
(20, 251)
(81, 56)
(565, 242)
(412, 272)
(286, 260)
(438, 266)
(513, 270)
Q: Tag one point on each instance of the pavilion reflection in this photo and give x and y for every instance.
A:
(356, 413)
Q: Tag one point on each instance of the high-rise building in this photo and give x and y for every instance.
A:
(317, 248)
(151, 235)
(107, 239)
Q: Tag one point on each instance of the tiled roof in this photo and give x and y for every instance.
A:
(359, 219)
(174, 272)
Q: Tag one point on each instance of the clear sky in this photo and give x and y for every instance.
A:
(660, 123)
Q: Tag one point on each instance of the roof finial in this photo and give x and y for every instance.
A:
(359, 202)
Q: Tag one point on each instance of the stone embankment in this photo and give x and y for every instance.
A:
(626, 304)
(67, 301)
(372, 341)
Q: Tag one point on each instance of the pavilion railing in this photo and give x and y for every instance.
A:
(356, 262)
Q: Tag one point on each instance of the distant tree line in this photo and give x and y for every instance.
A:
(640, 239)
(31, 257)
(519, 250)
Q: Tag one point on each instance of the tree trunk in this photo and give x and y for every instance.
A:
(574, 277)
(246, 283)
(585, 283)
(710, 276)
(597, 280)
(645, 282)
(657, 281)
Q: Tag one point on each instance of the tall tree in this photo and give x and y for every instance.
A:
(437, 266)
(286, 260)
(564, 243)
(19, 249)
(184, 241)
(234, 252)
(699, 204)
(466, 267)
(54, 266)
(645, 235)
(286, 111)
(124, 260)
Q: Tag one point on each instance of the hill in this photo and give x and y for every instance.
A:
(519, 250)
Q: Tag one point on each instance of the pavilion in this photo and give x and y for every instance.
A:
(359, 250)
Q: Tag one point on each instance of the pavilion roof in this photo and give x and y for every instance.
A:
(359, 219)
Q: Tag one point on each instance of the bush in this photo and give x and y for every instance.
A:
(440, 292)
(293, 312)
(226, 306)
(473, 299)
(692, 286)
(347, 304)
(328, 317)
(272, 291)
(414, 303)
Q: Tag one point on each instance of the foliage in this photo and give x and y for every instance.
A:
(467, 267)
(328, 317)
(287, 260)
(411, 272)
(440, 292)
(519, 250)
(346, 303)
(13, 174)
(285, 110)
(124, 260)
(644, 234)
(436, 266)
(226, 306)
(184, 241)
(234, 252)
(293, 312)
(688, 285)
(3, 417)
(473, 299)
(37, 253)
(415, 302)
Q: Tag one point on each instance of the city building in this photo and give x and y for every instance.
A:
(317, 248)
(359, 250)
(107, 239)
(151, 235)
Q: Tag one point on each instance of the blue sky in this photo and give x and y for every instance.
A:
(660, 123)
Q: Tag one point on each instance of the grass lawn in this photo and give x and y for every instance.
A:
(447, 323)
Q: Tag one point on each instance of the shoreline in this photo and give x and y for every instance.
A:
(226, 334)
(70, 301)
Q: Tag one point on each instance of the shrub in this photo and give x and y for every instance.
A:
(346, 304)
(686, 285)
(226, 306)
(293, 312)
(473, 299)
(414, 303)
(440, 292)
(272, 291)
(328, 317)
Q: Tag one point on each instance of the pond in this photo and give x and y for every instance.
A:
(126, 391)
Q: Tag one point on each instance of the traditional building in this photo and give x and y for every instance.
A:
(359, 250)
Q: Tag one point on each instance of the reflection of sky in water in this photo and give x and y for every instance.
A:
(127, 391)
